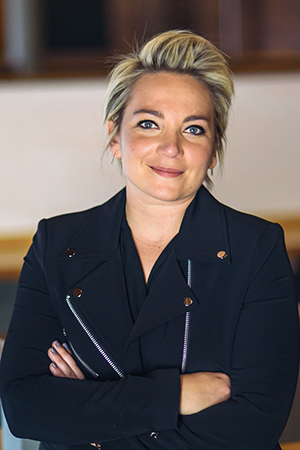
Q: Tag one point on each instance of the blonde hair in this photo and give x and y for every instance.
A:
(179, 52)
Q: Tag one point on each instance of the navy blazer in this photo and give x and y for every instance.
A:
(223, 302)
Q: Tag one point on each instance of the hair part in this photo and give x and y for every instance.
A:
(181, 52)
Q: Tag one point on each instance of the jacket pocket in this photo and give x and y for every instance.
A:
(98, 346)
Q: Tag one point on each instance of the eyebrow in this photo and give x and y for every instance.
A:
(191, 118)
(155, 113)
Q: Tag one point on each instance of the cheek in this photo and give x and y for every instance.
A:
(201, 158)
(130, 157)
(138, 147)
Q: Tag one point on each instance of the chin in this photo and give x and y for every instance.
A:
(166, 196)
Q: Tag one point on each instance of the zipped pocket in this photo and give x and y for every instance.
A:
(78, 358)
(187, 324)
(83, 363)
(98, 346)
(185, 342)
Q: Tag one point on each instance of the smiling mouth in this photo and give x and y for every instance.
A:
(166, 172)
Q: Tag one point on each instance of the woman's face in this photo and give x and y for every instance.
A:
(166, 140)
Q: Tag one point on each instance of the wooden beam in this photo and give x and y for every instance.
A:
(12, 251)
(290, 446)
(291, 227)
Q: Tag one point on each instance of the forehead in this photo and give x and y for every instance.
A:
(170, 86)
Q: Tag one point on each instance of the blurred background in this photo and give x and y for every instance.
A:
(53, 67)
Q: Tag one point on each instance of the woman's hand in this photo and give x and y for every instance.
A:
(201, 390)
(63, 364)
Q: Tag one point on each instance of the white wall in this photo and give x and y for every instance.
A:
(51, 136)
(262, 165)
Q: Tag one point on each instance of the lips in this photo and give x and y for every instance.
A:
(166, 172)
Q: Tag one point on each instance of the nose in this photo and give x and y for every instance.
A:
(170, 146)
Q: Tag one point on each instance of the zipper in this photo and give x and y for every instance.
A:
(187, 323)
(100, 349)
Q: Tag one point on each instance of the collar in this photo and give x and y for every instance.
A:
(203, 232)
(98, 235)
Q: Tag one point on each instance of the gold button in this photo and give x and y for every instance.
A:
(187, 301)
(70, 252)
(222, 254)
(77, 292)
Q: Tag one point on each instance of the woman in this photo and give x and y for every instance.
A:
(176, 313)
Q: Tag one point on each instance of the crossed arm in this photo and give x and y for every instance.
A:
(199, 390)
(262, 380)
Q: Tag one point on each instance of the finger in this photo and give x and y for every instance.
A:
(56, 371)
(60, 363)
(66, 347)
(68, 359)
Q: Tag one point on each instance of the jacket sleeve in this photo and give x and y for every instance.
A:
(264, 364)
(121, 414)
(40, 406)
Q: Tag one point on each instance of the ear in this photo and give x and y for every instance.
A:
(114, 143)
(213, 161)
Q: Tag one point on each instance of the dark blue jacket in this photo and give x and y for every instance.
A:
(224, 298)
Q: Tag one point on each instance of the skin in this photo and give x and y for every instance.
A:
(167, 144)
(166, 141)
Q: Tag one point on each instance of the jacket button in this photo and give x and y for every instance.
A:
(70, 252)
(221, 254)
(77, 292)
(187, 301)
(154, 434)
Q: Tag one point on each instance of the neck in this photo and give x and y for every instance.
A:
(154, 221)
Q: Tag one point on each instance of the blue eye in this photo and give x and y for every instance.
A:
(147, 124)
(195, 129)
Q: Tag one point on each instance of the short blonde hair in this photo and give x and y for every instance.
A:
(177, 51)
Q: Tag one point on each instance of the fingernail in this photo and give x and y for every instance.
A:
(53, 351)
(54, 365)
(65, 345)
(57, 343)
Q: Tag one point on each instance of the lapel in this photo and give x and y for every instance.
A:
(96, 269)
(203, 233)
(97, 236)
(98, 272)
(165, 300)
